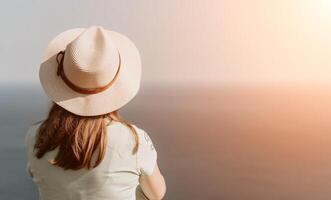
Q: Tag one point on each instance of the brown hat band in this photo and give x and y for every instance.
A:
(60, 72)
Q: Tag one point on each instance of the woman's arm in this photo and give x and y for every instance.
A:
(153, 186)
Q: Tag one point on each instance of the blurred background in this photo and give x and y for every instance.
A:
(235, 94)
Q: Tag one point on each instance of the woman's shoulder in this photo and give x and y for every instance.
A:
(116, 126)
(32, 131)
(120, 133)
(143, 136)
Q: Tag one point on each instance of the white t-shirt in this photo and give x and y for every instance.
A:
(116, 178)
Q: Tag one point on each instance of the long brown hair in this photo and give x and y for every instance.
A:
(77, 137)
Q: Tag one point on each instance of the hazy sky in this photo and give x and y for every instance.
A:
(187, 41)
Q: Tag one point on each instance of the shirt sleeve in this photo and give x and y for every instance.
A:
(146, 154)
(28, 143)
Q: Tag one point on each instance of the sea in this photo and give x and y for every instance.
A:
(231, 142)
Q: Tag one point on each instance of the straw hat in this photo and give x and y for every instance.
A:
(90, 71)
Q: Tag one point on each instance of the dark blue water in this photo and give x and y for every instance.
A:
(229, 142)
(19, 107)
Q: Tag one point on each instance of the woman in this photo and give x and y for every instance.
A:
(84, 149)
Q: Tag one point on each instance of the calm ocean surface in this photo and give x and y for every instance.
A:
(231, 142)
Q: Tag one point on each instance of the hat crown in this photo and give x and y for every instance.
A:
(92, 59)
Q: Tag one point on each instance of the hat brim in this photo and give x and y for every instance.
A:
(120, 93)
